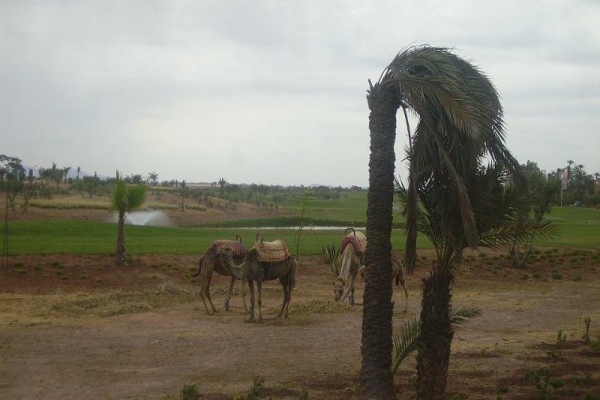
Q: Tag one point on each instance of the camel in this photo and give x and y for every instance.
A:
(210, 262)
(353, 247)
(397, 276)
(257, 271)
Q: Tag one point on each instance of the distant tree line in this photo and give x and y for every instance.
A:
(579, 189)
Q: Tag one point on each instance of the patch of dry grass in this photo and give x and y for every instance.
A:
(316, 306)
(28, 308)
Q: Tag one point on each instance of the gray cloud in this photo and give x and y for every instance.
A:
(274, 92)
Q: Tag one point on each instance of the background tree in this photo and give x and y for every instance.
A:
(222, 182)
(183, 195)
(66, 174)
(125, 198)
(12, 175)
(581, 186)
(530, 202)
(88, 185)
(460, 123)
(153, 178)
(135, 179)
(53, 174)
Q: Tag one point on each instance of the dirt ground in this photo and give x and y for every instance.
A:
(78, 327)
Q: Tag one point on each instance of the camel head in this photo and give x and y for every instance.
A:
(338, 288)
(226, 252)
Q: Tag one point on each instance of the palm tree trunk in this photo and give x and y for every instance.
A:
(375, 375)
(435, 338)
(121, 257)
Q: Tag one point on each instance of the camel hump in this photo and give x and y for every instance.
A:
(274, 251)
(358, 240)
(237, 247)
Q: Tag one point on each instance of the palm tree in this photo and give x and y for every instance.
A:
(125, 198)
(460, 122)
(183, 196)
(222, 183)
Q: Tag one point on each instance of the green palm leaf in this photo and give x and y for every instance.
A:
(405, 340)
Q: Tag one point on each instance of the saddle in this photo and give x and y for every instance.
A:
(275, 251)
(239, 251)
(358, 242)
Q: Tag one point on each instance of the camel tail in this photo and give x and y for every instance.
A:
(398, 279)
(199, 266)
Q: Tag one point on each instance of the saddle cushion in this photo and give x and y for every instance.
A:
(358, 241)
(274, 251)
(239, 251)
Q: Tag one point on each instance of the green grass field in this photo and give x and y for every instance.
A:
(75, 237)
(579, 228)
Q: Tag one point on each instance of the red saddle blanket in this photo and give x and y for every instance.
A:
(239, 251)
(357, 242)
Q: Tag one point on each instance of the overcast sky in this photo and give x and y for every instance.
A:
(273, 92)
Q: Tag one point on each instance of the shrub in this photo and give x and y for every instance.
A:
(190, 392)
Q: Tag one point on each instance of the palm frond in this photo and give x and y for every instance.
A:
(136, 196)
(405, 340)
(459, 316)
(520, 231)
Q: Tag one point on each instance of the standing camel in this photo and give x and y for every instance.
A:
(210, 262)
(352, 253)
(254, 270)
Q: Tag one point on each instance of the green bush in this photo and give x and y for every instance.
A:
(190, 392)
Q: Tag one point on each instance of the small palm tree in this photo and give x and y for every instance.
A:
(125, 198)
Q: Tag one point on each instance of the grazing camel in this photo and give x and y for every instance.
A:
(352, 253)
(210, 262)
(397, 276)
(353, 247)
(254, 270)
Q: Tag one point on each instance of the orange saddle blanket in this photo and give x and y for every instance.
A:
(274, 251)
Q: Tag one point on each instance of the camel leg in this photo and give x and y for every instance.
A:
(405, 297)
(250, 317)
(229, 293)
(288, 297)
(243, 290)
(203, 290)
(349, 292)
(203, 283)
(208, 294)
(285, 287)
(290, 283)
(259, 290)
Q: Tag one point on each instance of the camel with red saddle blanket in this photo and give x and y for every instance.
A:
(352, 252)
(264, 262)
(210, 262)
